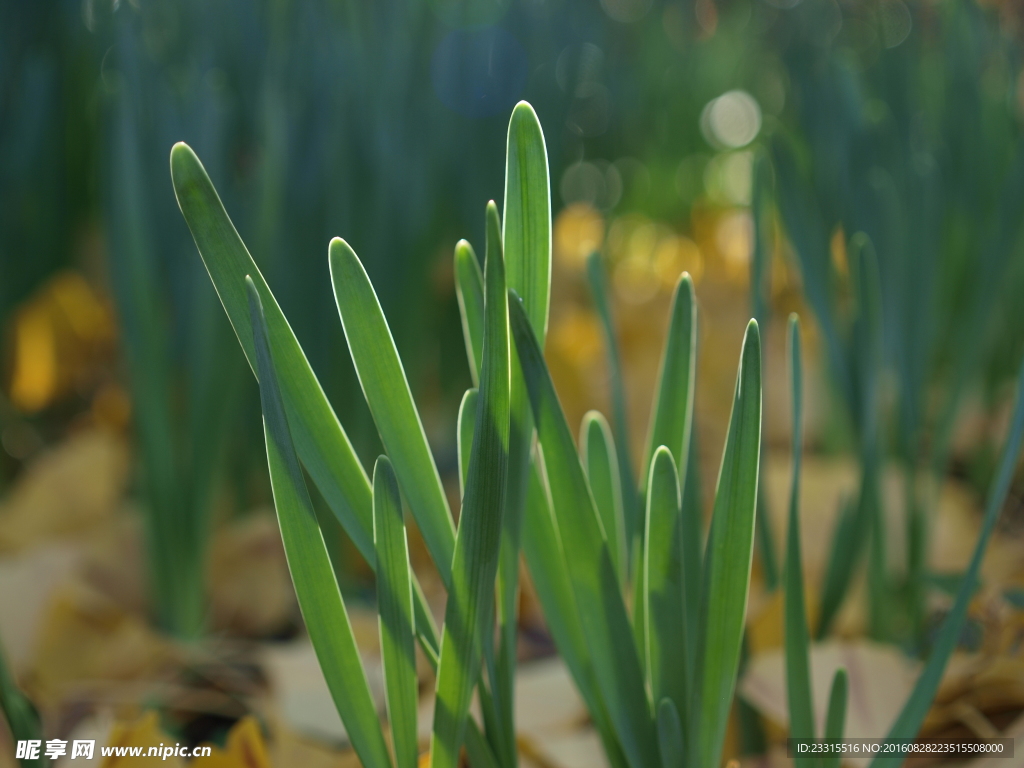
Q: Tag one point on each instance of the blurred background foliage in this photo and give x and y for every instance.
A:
(883, 137)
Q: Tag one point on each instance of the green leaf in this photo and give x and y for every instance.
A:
(475, 564)
(395, 609)
(386, 390)
(527, 216)
(672, 414)
(727, 563)
(847, 546)
(620, 416)
(835, 720)
(909, 721)
(464, 437)
(602, 612)
(323, 609)
(321, 443)
(597, 449)
(21, 715)
(526, 236)
(469, 289)
(798, 666)
(665, 628)
(670, 735)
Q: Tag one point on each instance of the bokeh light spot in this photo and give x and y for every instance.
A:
(731, 121)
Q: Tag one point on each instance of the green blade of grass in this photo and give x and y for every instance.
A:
(913, 713)
(670, 735)
(21, 715)
(846, 548)
(665, 629)
(475, 564)
(620, 416)
(319, 439)
(727, 563)
(395, 609)
(597, 450)
(798, 665)
(672, 414)
(315, 586)
(464, 437)
(469, 289)
(526, 235)
(835, 719)
(602, 612)
(387, 392)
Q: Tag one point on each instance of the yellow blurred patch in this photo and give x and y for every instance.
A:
(578, 231)
(58, 335)
(145, 733)
(245, 748)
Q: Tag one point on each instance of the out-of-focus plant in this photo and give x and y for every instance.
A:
(902, 202)
(22, 718)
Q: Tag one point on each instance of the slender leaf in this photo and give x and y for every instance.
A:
(672, 414)
(395, 609)
(835, 719)
(595, 585)
(727, 563)
(844, 553)
(798, 665)
(315, 586)
(469, 289)
(464, 437)
(620, 416)
(670, 735)
(321, 443)
(597, 448)
(526, 236)
(475, 564)
(386, 390)
(666, 631)
(913, 713)
(21, 715)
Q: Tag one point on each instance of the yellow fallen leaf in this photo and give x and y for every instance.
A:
(245, 748)
(145, 733)
(69, 489)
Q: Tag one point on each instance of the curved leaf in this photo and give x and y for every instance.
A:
(386, 390)
(323, 609)
(395, 609)
(597, 451)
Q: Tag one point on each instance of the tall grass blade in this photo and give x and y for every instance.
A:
(526, 237)
(597, 450)
(395, 609)
(602, 611)
(620, 415)
(666, 632)
(670, 735)
(909, 721)
(469, 289)
(672, 414)
(475, 564)
(315, 586)
(798, 665)
(845, 551)
(22, 718)
(387, 392)
(464, 438)
(320, 441)
(727, 562)
(835, 719)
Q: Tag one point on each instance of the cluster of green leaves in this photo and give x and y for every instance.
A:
(618, 608)
(922, 173)
(797, 644)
